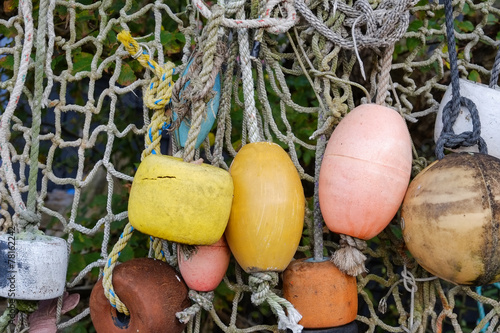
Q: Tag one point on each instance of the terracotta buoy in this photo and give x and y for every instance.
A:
(180, 202)
(267, 215)
(151, 290)
(450, 218)
(486, 100)
(32, 266)
(204, 267)
(323, 295)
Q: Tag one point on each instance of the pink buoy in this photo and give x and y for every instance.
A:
(365, 171)
(204, 267)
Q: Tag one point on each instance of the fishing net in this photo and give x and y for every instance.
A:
(76, 108)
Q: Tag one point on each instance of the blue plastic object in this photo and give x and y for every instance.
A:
(181, 133)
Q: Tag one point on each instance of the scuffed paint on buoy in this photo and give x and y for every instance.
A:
(450, 218)
(32, 266)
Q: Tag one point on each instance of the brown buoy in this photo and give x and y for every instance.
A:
(152, 291)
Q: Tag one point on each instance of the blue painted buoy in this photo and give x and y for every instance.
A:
(181, 133)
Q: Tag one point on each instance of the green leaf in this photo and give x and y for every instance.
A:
(412, 43)
(7, 62)
(82, 62)
(466, 10)
(474, 76)
(465, 26)
(415, 25)
(127, 75)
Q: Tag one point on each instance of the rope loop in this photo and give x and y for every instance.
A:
(451, 110)
(449, 139)
(384, 25)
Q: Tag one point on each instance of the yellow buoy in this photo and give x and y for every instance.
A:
(180, 202)
(267, 214)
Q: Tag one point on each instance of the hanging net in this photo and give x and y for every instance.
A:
(81, 106)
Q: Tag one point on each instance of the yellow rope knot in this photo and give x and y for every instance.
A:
(159, 90)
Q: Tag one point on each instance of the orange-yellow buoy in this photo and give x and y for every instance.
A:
(450, 218)
(267, 215)
(365, 171)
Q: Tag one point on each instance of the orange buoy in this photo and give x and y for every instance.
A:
(450, 218)
(323, 295)
(204, 267)
(267, 215)
(365, 171)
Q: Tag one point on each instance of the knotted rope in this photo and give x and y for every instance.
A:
(261, 285)
(451, 110)
(349, 258)
(384, 26)
(272, 25)
(202, 300)
(158, 93)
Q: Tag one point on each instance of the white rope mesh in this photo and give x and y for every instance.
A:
(300, 84)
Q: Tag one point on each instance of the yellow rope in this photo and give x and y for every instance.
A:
(107, 279)
(158, 93)
(157, 97)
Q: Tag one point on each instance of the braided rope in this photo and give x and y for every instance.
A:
(451, 110)
(158, 93)
(248, 87)
(200, 82)
(107, 278)
(157, 245)
(10, 178)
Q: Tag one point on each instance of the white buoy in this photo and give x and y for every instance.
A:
(32, 266)
(487, 101)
